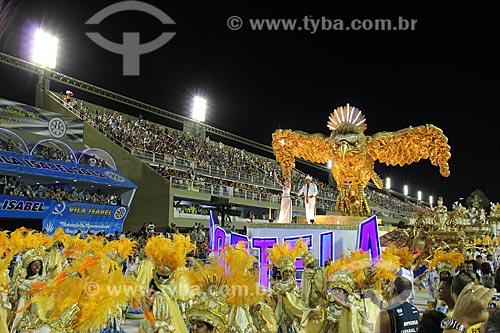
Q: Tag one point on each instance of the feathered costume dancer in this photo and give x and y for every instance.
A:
(445, 264)
(31, 270)
(168, 255)
(286, 293)
(91, 291)
(229, 295)
(144, 274)
(344, 311)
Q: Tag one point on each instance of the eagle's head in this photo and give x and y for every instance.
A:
(347, 124)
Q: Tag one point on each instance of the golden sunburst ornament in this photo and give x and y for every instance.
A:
(347, 119)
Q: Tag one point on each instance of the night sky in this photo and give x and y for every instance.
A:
(256, 81)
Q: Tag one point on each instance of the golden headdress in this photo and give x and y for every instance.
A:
(169, 254)
(443, 261)
(349, 272)
(226, 281)
(284, 257)
(307, 258)
(23, 239)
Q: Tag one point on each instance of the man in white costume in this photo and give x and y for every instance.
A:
(309, 190)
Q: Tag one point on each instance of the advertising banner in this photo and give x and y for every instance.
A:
(14, 115)
(31, 165)
(71, 216)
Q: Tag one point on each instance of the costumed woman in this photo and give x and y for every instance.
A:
(286, 293)
(30, 270)
(285, 215)
(167, 255)
(89, 293)
(344, 310)
(229, 293)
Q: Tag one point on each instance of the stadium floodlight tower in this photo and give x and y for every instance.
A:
(44, 53)
(45, 49)
(198, 110)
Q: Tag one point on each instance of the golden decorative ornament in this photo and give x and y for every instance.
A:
(354, 154)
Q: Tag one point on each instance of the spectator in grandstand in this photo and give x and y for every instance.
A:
(10, 145)
(30, 193)
(309, 190)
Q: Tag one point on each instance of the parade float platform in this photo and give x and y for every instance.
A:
(331, 237)
(335, 220)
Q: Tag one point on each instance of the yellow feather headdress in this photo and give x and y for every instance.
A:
(23, 239)
(226, 281)
(446, 261)
(171, 253)
(86, 295)
(405, 256)
(283, 255)
(385, 269)
(349, 272)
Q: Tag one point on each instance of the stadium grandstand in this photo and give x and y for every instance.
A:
(178, 170)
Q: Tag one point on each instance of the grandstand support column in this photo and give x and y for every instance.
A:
(42, 86)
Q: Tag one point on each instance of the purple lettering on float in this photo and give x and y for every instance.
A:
(235, 238)
(262, 244)
(219, 239)
(326, 245)
(368, 239)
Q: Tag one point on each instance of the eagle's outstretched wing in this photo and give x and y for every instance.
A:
(410, 145)
(288, 145)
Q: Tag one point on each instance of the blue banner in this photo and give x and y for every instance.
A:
(31, 165)
(71, 216)
(15, 115)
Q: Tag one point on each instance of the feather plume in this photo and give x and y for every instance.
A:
(283, 249)
(170, 252)
(243, 280)
(454, 258)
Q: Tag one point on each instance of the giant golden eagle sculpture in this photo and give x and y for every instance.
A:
(353, 154)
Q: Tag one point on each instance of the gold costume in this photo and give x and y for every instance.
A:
(229, 296)
(344, 310)
(313, 282)
(167, 255)
(20, 296)
(286, 292)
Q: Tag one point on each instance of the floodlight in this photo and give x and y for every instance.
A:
(45, 49)
(388, 183)
(199, 108)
